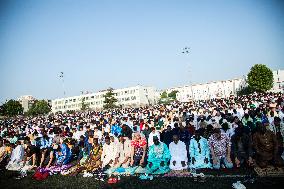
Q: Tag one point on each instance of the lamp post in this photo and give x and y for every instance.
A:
(62, 79)
(186, 50)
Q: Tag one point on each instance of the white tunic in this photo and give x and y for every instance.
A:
(178, 154)
(124, 150)
(16, 159)
(109, 153)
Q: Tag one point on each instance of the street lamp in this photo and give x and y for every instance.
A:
(186, 50)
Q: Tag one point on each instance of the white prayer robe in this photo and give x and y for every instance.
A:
(17, 157)
(124, 150)
(178, 154)
(109, 153)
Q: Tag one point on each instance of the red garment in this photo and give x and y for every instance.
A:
(141, 126)
(40, 176)
(142, 142)
(191, 130)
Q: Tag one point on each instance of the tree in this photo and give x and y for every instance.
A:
(164, 98)
(12, 108)
(260, 78)
(1, 110)
(245, 91)
(40, 107)
(110, 100)
(84, 106)
(164, 95)
(173, 94)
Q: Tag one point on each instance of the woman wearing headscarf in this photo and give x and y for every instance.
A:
(63, 157)
(89, 162)
(138, 149)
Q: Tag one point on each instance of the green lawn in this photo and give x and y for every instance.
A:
(213, 182)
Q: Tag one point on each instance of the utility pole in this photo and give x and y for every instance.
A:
(186, 51)
(62, 80)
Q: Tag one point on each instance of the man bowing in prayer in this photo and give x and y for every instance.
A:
(179, 154)
(199, 152)
(159, 156)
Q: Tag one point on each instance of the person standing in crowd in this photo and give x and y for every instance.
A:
(266, 147)
(220, 147)
(242, 147)
(153, 133)
(126, 131)
(146, 131)
(199, 152)
(167, 136)
(178, 153)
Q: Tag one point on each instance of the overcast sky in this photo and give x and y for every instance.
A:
(118, 43)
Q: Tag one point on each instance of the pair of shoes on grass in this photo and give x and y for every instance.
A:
(146, 176)
(238, 185)
(86, 174)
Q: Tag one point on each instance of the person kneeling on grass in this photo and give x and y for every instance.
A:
(159, 157)
(138, 150)
(17, 157)
(123, 152)
(220, 147)
(31, 152)
(109, 155)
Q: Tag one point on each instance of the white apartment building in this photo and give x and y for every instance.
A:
(127, 97)
(215, 89)
(26, 101)
(278, 85)
(221, 89)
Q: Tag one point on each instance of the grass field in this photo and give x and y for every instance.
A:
(218, 180)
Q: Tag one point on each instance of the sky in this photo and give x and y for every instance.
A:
(118, 43)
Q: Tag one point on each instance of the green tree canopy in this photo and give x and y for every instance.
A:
(84, 105)
(110, 100)
(260, 78)
(173, 94)
(12, 108)
(40, 107)
(164, 95)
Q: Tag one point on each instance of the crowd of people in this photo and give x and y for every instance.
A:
(205, 134)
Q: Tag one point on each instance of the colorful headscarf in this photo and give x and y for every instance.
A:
(140, 143)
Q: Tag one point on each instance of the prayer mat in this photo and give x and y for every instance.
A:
(269, 171)
(182, 173)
